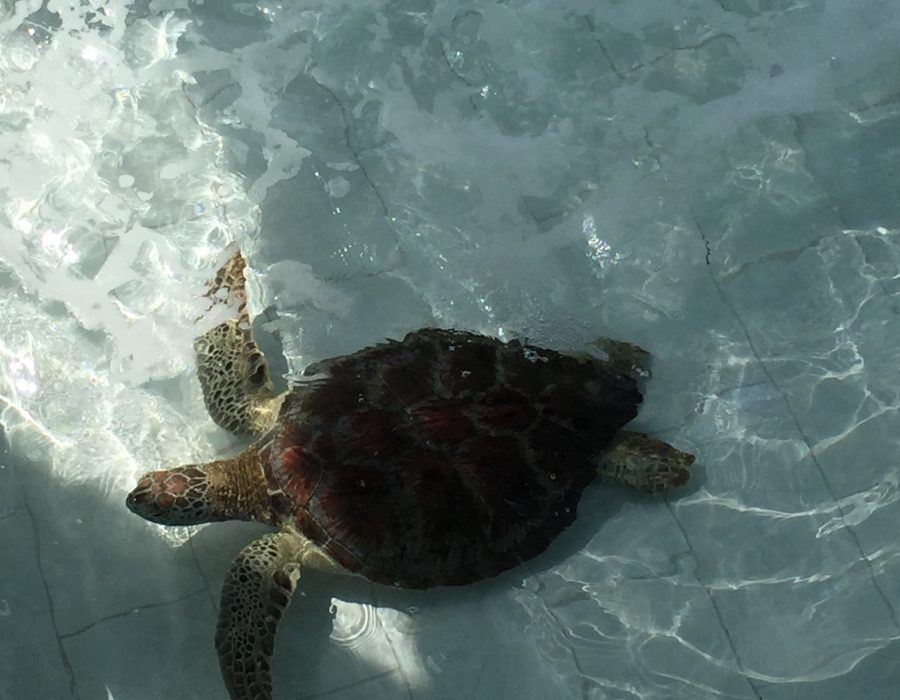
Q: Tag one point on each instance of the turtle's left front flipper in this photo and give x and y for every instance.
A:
(237, 389)
(256, 593)
(645, 463)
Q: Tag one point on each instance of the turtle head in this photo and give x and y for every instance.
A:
(231, 489)
(182, 496)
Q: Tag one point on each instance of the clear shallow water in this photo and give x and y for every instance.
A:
(716, 182)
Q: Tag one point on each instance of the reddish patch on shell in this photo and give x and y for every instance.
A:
(301, 472)
(357, 506)
(442, 422)
(423, 479)
(296, 433)
(366, 434)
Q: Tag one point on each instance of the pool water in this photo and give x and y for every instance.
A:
(714, 180)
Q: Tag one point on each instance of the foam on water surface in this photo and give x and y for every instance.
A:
(713, 180)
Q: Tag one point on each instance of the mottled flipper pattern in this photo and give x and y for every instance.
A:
(237, 390)
(645, 463)
(256, 593)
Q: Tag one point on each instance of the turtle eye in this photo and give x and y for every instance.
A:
(258, 377)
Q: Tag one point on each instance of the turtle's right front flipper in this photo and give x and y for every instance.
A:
(256, 593)
(237, 390)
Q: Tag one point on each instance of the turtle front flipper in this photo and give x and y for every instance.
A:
(255, 595)
(645, 463)
(237, 389)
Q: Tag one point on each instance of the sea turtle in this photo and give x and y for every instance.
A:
(441, 459)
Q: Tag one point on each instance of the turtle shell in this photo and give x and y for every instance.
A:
(444, 458)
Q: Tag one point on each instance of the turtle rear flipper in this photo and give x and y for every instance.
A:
(625, 358)
(645, 463)
(256, 593)
(237, 389)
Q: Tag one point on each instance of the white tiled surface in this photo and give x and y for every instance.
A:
(714, 180)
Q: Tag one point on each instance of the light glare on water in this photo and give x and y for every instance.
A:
(715, 186)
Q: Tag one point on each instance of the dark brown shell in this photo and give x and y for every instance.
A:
(445, 458)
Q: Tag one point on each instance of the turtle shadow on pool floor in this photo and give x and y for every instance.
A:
(108, 598)
(97, 600)
(96, 597)
(343, 631)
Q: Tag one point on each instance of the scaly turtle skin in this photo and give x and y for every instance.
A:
(441, 459)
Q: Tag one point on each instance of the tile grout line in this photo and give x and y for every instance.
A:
(815, 461)
(800, 431)
(709, 593)
(707, 254)
(209, 589)
(563, 629)
(15, 510)
(612, 64)
(355, 153)
(348, 686)
(130, 611)
(718, 612)
(35, 530)
(587, 681)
